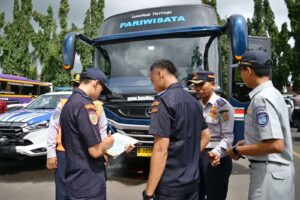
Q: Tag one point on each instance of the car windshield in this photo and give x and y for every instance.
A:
(48, 101)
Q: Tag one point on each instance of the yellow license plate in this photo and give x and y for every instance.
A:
(144, 152)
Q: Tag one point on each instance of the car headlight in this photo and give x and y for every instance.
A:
(32, 127)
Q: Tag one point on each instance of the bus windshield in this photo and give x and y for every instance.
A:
(135, 58)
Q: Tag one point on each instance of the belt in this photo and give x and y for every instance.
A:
(266, 162)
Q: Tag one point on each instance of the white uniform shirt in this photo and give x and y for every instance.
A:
(219, 116)
(267, 118)
(54, 125)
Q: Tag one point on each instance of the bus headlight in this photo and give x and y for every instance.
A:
(44, 124)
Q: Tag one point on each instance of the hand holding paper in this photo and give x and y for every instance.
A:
(122, 143)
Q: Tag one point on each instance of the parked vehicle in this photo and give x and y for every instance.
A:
(16, 106)
(17, 89)
(128, 43)
(290, 104)
(24, 132)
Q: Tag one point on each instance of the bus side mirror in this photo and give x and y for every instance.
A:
(238, 33)
(68, 51)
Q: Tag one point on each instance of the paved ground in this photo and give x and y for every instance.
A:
(29, 180)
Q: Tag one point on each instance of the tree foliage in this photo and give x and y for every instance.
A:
(256, 26)
(17, 39)
(294, 16)
(92, 21)
(263, 24)
(28, 52)
(283, 52)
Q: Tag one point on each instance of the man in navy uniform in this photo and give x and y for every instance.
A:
(178, 127)
(84, 148)
(219, 116)
(268, 142)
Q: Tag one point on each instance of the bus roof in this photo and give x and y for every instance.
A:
(20, 79)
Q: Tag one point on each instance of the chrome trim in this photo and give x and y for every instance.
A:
(128, 126)
(135, 135)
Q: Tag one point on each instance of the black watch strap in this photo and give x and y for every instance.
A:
(235, 151)
(147, 197)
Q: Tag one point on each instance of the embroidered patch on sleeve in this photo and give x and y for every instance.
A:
(56, 113)
(155, 103)
(262, 118)
(221, 102)
(154, 110)
(93, 117)
(224, 115)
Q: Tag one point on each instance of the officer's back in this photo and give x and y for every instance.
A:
(85, 175)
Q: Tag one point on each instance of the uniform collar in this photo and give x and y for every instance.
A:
(260, 88)
(172, 86)
(211, 100)
(82, 93)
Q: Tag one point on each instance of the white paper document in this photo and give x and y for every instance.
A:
(120, 142)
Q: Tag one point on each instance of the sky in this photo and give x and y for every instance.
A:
(78, 8)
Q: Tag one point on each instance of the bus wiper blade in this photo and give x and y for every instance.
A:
(115, 96)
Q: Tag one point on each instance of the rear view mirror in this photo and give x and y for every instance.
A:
(68, 51)
(238, 32)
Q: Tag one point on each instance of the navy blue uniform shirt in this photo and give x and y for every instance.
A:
(177, 115)
(85, 176)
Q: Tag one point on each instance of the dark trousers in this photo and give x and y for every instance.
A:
(296, 118)
(188, 196)
(60, 193)
(214, 180)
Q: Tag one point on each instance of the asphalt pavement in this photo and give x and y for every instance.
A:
(29, 180)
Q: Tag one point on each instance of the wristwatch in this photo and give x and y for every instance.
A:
(235, 151)
(147, 197)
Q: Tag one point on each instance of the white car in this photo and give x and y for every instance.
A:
(15, 106)
(290, 104)
(24, 132)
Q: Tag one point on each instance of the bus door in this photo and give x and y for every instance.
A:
(238, 91)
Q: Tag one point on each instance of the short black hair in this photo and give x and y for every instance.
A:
(164, 64)
(75, 84)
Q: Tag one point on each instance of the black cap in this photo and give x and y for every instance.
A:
(255, 59)
(96, 74)
(202, 76)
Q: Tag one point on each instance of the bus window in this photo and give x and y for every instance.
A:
(3, 86)
(30, 90)
(45, 89)
(16, 89)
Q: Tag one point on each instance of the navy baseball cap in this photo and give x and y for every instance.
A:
(96, 74)
(202, 76)
(255, 59)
